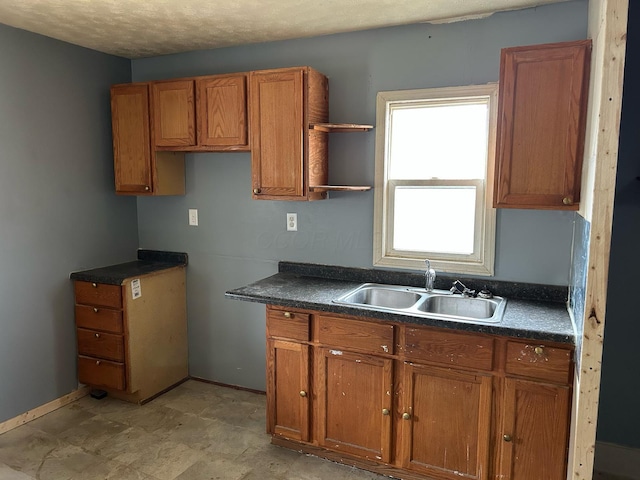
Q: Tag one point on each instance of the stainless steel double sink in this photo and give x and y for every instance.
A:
(438, 304)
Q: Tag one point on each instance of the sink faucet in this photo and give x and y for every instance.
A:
(429, 277)
(459, 287)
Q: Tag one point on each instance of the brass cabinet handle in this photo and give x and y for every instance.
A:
(385, 411)
(256, 191)
(303, 393)
(94, 285)
(406, 416)
(97, 335)
(567, 201)
(539, 350)
(288, 315)
(97, 362)
(146, 188)
(506, 438)
(95, 309)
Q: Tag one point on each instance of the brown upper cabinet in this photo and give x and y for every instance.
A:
(138, 169)
(174, 119)
(541, 125)
(154, 122)
(201, 114)
(222, 110)
(287, 156)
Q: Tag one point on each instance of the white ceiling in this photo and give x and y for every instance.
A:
(144, 28)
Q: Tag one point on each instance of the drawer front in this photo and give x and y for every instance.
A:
(288, 324)
(368, 337)
(539, 361)
(101, 373)
(100, 294)
(98, 318)
(101, 345)
(448, 348)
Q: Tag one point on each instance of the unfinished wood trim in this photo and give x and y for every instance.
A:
(607, 28)
(38, 412)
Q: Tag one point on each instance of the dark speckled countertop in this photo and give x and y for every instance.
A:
(149, 261)
(314, 287)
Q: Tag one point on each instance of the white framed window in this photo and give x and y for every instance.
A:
(434, 165)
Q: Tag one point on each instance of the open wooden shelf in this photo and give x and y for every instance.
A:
(339, 188)
(340, 127)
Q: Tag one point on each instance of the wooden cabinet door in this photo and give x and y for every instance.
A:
(288, 396)
(277, 130)
(174, 115)
(541, 124)
(445, 424)
(222, 110)
(131, 138)
(355, 398)
(534, 436)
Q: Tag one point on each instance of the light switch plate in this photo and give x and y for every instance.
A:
(193, 217)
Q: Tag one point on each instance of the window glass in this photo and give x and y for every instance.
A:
(446, 224)
(438, 141)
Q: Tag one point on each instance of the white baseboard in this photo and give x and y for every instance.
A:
(617, 460)
(43, 409)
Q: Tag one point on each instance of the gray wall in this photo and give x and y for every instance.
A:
(58, 212)
(240, 240)
(618, 417)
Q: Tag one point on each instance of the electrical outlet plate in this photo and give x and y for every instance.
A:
(292, 222)
(193, 217)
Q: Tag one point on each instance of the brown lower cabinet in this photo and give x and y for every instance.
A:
(417, 402)
(133, 346)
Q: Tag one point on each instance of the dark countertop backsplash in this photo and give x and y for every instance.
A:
(523, 291)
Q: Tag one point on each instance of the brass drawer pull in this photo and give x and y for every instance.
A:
(303, 393)
(97, 335)
(97, 362)
(385, 412)
(507, 438)
(288, 315)
(406, 416)
(539, 350)
(94, 285)
(95, 309)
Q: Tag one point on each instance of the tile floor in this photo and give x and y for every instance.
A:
(196, 431)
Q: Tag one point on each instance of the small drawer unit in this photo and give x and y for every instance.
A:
(131, 336)
(100, 335)
(448, 348)
(539, 361)
(356, 335)
(100, 345)
(287, 324)
(99, 318)
(98, 294)
(101, 373)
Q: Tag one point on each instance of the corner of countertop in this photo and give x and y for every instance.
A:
(148, 261)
